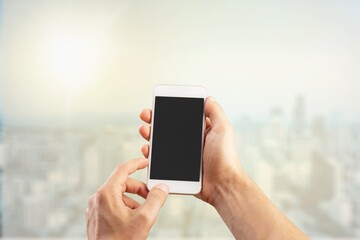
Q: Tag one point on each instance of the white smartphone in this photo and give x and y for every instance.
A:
(176, 139)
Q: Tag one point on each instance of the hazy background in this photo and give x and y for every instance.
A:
(76, 74)
(249, 54)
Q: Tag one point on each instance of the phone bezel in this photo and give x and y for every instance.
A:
(178, 187)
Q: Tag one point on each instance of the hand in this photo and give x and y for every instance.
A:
(113, 215)
(242, 205)
(220, 159)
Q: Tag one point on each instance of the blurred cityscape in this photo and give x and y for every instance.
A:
(2, 157)
(308, 165)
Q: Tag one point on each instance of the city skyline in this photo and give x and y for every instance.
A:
(307, 168)
(74, 120)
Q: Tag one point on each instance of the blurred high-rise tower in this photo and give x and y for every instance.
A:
(299, 116)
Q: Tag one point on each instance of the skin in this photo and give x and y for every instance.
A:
(245, 209)
(111, 214)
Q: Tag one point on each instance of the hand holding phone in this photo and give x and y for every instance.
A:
(176, 139)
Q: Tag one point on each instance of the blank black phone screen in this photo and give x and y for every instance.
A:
(177, 138)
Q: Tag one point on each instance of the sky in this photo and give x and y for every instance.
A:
(94, 59)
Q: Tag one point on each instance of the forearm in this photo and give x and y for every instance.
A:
(249, 214)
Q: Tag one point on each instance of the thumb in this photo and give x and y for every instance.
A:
(214, 111)
(155, 200)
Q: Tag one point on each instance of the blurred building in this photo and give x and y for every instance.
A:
(299, 116)
(308, 168)
(2, 159)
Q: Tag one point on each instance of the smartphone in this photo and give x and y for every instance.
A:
(176, 139)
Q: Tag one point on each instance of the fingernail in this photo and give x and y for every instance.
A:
(163, 188)
(211, 99)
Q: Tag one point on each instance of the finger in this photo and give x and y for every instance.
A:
(89, 209)
(145, 150)
(214, 112)
(208, 122)
(91, 201)
(144, 131)
(87, 215)
(130, 203)
(145, 115)
(208, 125)
(155, 200)
(136, 187)
(122, 171)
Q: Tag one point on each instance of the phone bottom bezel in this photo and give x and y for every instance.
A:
(177, 187)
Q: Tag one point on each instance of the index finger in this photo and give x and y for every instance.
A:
(122, 171)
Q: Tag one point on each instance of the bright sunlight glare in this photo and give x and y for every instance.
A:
(72, 60)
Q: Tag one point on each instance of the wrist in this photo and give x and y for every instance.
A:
(241, 204)
(235, 182)
(247, 212)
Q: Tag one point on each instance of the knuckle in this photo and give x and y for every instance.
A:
(143, 218)
(100, 197)
(90, 201)
(120, 167)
